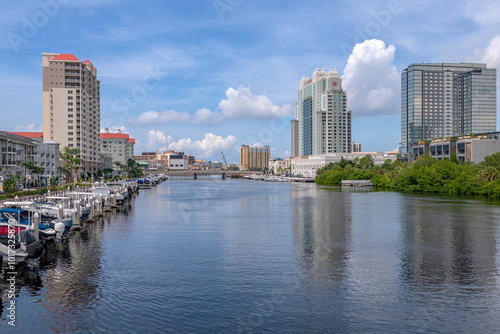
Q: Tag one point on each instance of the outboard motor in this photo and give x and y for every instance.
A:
(60, 229)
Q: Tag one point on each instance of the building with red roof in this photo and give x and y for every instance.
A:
(118, 145)
(71, 106)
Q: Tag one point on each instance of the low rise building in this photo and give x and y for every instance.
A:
(16, 150)
(467, 148)
(278, 165)
(307, 166)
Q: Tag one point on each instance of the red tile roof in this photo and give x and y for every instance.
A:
(29, 134)
(87, 61)
(65, 56)
(131, 140)
(115, 136)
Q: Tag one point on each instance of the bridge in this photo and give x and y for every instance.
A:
(196, 173)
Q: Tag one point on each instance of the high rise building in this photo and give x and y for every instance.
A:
(323, 121)
(355, 147)
(442, 100)
(254, 157)
(71, 106)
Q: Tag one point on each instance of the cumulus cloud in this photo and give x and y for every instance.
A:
(115, 128)
(207, 117)
(242, 104)
(490, 55)
(29, 128)
(206, 148)
(202, 116)
(371, 80)
(157, 140)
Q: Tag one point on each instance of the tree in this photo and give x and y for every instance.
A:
(366, 162)
(492, 160)
(65, 171)
(72, 158)
(11, 184)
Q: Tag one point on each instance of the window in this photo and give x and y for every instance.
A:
(70, 127)
(70, 109)
(70, 115)
(70, 97)
(70, 92)
(70, 103)
(70, 121)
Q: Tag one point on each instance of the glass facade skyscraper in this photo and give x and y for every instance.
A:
(441, 100)
(322, 122)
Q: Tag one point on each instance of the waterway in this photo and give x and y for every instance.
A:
(238, 256)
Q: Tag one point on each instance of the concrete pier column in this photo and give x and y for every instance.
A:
(61, 211)
(195, 176)
(36, 221)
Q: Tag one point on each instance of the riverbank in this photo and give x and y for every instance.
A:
(425, 175)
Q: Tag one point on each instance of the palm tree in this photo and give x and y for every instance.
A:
(30, 166)
(72, 158)
(64, 170)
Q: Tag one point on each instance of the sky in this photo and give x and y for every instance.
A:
(208, 76)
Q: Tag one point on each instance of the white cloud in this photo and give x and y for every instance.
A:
(115, 129)
(207, 117)
(157, 140)
(491, 55)
(29, 128)
(371, 80)
(242, 104)
(206, 148)
(202, 116)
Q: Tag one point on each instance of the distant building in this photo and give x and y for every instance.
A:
(71, 106)
(307, 166)
(323, 123)
(37, 136)
(355, 147)
(117, 145)
(278, 165)
(467, 149)
(48, 158)
(443, 100)
(105, 161)
(254, 157)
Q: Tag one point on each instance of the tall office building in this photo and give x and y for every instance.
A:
(441, 100)
(254, 157)
(71, 106)
(323, 121)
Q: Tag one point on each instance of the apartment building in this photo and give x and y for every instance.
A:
(16, 150)
(446, 99)
(71, 106)
(117, 145)
(254, 157)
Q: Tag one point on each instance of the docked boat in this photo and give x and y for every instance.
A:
(24, 220)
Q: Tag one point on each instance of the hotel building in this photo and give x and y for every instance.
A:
(322, 122)
(71, 106)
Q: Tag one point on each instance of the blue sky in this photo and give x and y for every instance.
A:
(206, 76)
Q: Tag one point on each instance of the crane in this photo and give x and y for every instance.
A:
(223, 157)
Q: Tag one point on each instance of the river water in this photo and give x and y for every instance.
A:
(238, 256)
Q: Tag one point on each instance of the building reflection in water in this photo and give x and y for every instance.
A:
(322, 233)
(446, 241)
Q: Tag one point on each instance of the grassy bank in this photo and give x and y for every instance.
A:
(425, 175)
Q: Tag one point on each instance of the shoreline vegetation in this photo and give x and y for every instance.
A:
(424, 175)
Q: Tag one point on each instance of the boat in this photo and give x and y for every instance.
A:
(23, 218)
